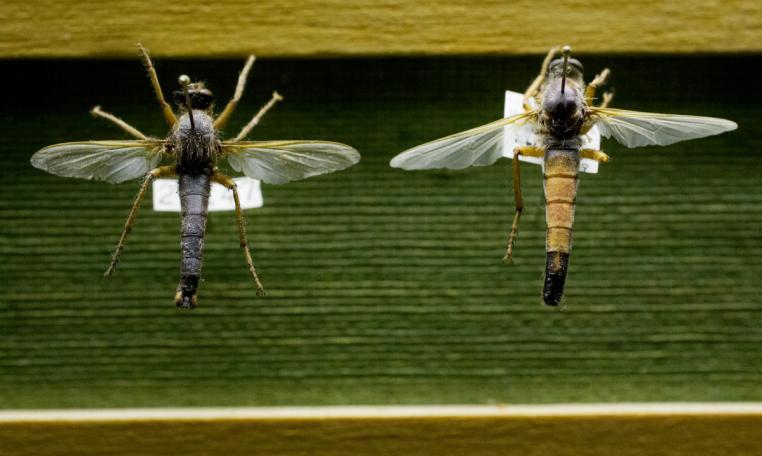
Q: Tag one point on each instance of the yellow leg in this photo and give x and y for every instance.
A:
(598, 81)
(97, 112)
(230, 184)
(222, 119)
(607, 97)
(596, 155)
(153, 174)
(255, 120)
(166, 109)
(521, 150)
(537, 83)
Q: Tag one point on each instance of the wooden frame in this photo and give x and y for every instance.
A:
(49, 28)
(598, 429)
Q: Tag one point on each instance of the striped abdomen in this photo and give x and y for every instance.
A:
(194, 202)
(561, 172)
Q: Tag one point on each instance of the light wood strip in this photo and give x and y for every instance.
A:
(51, 28)
(595, 429)
(374, 412)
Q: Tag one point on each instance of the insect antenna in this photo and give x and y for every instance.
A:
(566, 51)
(184, 80)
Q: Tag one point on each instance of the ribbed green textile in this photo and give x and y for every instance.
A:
(385, 286)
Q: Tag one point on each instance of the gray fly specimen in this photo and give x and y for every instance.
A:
(193, 146)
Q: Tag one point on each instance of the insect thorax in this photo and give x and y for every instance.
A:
(555, 142)
(563, 112)
(195, 148)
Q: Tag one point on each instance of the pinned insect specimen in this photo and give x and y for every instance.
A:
(558, 111)
(193, 148)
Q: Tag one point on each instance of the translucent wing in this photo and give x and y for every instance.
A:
(635, 129)
(278, 162)
(480, 146)
(111, 161)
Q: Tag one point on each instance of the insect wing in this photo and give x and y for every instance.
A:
(480, 146)
(635, 129)
(278, 162)
(111, 161)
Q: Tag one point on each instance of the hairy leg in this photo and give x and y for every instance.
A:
(518, 151)
(222, 119)
(607, 97)
(596, 155)
(228, 183)
(598, 81)
(166, 109)
(153, 174)
(255, 120)
(97, 112)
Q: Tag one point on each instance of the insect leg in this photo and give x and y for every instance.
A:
(153, 174)
(255, 120)
(535, 86)
(224, 116)
(169, 115)
(230, 184)
(98, 112)
(520, 150)
(597, 155)
(598, 81)
(607, 97)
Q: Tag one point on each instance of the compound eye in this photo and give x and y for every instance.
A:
(201, 100)
(178, 97)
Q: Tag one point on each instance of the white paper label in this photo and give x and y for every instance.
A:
(167, 199)
(513, 106)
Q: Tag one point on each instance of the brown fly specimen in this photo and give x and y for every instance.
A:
(558, 111)
(193, 146)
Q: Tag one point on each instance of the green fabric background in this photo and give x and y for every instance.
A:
(385, 286)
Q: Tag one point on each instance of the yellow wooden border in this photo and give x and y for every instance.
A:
(603, 429)
(55, 28)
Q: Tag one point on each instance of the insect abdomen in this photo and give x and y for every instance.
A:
(194, 202)
(561, 172)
